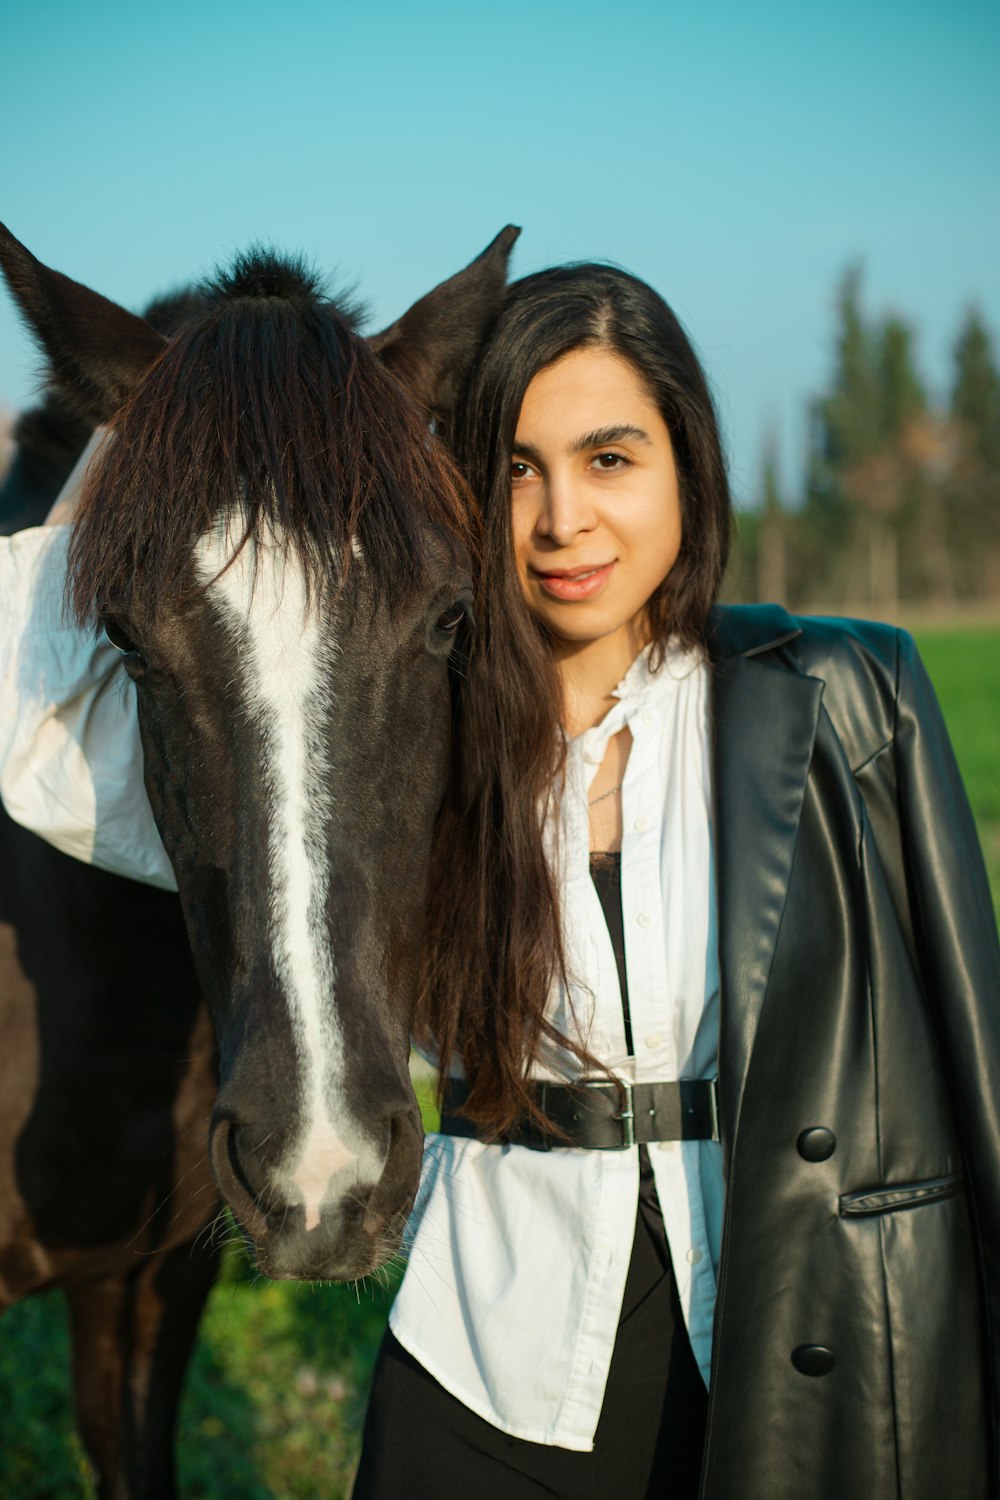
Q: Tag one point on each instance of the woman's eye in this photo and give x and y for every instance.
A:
(519, 469)
(608, 462)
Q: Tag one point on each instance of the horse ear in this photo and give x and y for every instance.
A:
(431, 347)
(96, 350)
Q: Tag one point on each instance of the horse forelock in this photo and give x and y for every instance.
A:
(263, 273)
(266, 403)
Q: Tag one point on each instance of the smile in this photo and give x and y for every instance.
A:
(572, 585)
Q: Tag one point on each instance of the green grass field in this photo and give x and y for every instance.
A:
(965, 668)
(277, 1388)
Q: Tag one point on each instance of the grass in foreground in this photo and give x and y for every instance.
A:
(274, 1404)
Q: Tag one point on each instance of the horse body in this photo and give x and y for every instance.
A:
(290, 657)
(107, 1081)
(107, 1072)
(48, 440)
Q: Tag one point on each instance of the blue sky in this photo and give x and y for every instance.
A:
(736, 155)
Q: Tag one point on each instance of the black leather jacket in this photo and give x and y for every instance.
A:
(858, 1316)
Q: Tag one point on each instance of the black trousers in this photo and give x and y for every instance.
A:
(419, 1441)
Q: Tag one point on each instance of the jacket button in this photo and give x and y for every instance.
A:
(813, 1359)
(816, 1143)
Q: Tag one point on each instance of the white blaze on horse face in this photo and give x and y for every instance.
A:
(285, 661)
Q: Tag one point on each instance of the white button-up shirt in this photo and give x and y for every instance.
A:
(517, 1258)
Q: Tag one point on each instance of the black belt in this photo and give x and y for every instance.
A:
(602, 1115)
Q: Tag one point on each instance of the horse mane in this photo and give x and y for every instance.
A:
(266, 405)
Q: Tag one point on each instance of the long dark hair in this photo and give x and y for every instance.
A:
(494, 942)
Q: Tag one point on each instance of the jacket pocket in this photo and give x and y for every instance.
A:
(901, 1195)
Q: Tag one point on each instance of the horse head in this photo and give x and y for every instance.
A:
(283, 553)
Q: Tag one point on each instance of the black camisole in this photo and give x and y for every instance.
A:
(682, 1430)
(606, 873)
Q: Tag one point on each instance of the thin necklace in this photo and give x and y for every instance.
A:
(593, 801)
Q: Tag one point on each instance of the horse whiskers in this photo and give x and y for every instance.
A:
(260, 1144)
(208, 1234)
(131, 1244)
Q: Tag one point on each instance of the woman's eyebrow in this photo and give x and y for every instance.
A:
(525, 450)
(616, 433)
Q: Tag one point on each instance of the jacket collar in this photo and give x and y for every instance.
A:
(748, 629)
(765, 712)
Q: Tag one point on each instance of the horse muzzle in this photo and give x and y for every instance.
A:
(314, 1209)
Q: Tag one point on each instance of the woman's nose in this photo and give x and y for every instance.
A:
(565, 512)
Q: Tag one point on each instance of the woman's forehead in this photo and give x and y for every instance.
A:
(586, 393)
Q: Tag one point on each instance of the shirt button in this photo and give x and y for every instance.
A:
(656, 1040)
(693, 1256)
(664, 1145)
(649, 719)
(644, 919)
(642, 825)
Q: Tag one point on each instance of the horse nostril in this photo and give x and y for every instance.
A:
(232, 1151)
(394, 1193)
(232, 1177)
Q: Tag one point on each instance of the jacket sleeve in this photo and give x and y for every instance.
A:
(70, 758)
(957, 940)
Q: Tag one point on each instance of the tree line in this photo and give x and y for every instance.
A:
(901, 502)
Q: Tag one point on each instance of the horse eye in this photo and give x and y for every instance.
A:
(452, 618)
(119, 639)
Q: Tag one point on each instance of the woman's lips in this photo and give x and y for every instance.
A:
(573, 584)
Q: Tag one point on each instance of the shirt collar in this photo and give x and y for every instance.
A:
(641, 687)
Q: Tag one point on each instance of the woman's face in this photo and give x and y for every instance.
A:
(595, 508)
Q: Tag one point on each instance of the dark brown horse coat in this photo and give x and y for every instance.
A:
(859, 1290)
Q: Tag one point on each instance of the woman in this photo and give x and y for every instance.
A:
(803, 912)
(802, 909)
(589, 432)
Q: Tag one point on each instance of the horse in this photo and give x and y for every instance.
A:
(280, 550)
(107, 1079)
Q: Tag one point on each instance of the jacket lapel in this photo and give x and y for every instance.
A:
(765, 714)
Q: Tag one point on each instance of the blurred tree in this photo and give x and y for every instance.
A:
(772, 581)
(927, 456)
(859, 473)
(902, 398)
(846, 422)
(879, 482)
(844, 434)
(975, 478)
(902, 495)
(975, 396)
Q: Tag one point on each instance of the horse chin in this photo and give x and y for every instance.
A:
(328, 1253)
(339, 1248)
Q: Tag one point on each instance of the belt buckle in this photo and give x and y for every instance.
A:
(713, 1106)
(627, 1115)
(626, 1118)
